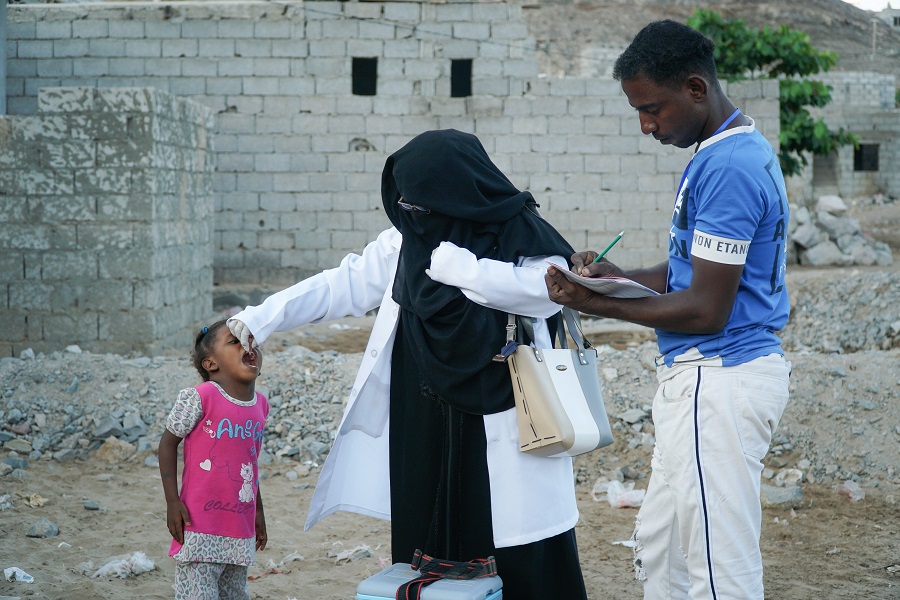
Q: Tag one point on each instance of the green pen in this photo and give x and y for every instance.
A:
(611, 244)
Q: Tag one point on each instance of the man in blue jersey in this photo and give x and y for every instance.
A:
(723, 377)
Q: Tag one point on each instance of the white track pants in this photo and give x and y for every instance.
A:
(697, 532)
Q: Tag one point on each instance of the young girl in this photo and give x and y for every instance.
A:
(217, 522)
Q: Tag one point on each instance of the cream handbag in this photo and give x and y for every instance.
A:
(559, 404)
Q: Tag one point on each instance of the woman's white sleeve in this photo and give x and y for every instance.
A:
(496, 284)
(355, 287)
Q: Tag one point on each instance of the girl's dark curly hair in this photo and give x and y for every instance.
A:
(203, 344)
(667, 52)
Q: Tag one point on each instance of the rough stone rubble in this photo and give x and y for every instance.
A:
(841, 424)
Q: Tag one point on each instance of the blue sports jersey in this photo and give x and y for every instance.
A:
(732, 208)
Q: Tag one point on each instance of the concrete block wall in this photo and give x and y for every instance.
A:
(300, 157)
(881, 127)
(860, 89)
(106, 228)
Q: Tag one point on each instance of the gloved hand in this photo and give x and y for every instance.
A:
(240, 330)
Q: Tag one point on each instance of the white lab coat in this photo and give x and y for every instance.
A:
(532, 498)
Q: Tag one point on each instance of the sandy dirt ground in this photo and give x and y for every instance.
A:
(842, 423)
(830, 548)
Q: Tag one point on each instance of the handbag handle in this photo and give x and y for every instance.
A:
(572, 322)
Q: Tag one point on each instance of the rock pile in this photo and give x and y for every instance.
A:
(841, 424)
(826, 236)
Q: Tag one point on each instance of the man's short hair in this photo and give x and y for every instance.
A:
(667, 52)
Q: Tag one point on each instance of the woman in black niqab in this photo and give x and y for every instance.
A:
(442, 186)
(471, 203)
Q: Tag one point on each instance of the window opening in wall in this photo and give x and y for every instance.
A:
(865, 158)
(896, 21)
(365, 76)
(825, 170)
(461, 78)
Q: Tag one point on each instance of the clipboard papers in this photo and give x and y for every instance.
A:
(614, 287)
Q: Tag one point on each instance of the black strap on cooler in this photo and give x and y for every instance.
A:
(435, 569)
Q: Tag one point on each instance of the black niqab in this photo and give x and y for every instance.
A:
(475, 206)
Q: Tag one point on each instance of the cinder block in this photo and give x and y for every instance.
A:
(362, 10)
(529, 163)
(127, 264)
(510, 30)
(90, 67)
(163, 67)
(57, 265)
(307, 259)
(70, 328)
(254, 182)
(106, 48)
(45, 182)
(167, 30)
(61, 67)
(273, 29)
(101, 236)
(140, 48)
(223, 86)
(620, 145)
(32, 49)
(452, 12)
(496, 87)
(274, 163)
(301, 164)
(276, 240)
(22, 68)
(378, 30)
(90, 28)
(187, 86)
(183, 48)
(272, 67)
(232, 28)
(343, 29)
(402, 11)
(292, 48)
(12, 268)
(134, 326)
(195, 29)
(234, 67)
(216, 48)
(132, 30)
(20, 30)
(396, 88)
(605, 125)
(53, 30)
(299, 221)
(535, 125)
(332, 220)
(14, 327)
(602, 163)
(350, 239)
(475, 30)
(58, 210)
(250, 48)
(459, 48)
(652, 182)
(346, 124)
(65, 100)
(30, 296)
(315, 203)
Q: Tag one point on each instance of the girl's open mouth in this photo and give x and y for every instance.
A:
(249, 359)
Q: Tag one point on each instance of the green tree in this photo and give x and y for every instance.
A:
(787, 55)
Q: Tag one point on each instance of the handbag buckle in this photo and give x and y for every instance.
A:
(506, 351)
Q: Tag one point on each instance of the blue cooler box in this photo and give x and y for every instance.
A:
(383, 586)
